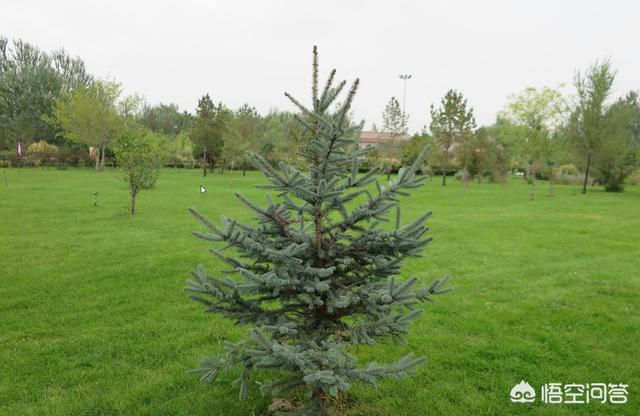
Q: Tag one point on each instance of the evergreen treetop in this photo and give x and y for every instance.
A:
(316, 273)
(451, 124)
(394, 120)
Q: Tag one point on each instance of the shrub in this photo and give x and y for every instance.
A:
(41, 152)
(634, 177)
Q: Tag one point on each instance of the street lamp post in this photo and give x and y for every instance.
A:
(404, 78)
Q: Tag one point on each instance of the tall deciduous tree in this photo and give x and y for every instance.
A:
(451, 124)
(71, 73)
(165, 118)
(315, 278)
(282, 138)
(587, 121)
(273, 143)
(540, 112)
(90, 117)
(618, 152)
(509, 135)
(31, 81)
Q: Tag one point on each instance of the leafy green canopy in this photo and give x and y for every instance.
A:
(140, 153)
(316, 277)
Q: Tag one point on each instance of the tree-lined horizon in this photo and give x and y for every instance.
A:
(589, 136)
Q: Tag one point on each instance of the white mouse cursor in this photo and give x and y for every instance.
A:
(203, 190)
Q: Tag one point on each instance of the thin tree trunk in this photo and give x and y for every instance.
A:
(532, 174)
(465, 180)
(97, 159)
(586, 174)
(204, 163)
(133, 202)
(444, 173)
(102, 161)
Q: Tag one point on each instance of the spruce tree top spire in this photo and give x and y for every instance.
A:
(317, 273)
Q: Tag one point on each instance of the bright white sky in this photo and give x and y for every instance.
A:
(253, 51)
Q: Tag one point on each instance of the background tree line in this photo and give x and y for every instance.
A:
(58, 111)
(582, 138)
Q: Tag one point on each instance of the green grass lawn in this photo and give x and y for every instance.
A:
(94, 320)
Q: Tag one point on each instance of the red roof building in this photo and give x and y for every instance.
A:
(373, 138)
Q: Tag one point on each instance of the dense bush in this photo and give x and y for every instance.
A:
(41, 153)
(634, 177)
(567, 175)
(74, 156)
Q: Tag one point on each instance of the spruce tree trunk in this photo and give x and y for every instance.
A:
(318, 403)
(586, 174)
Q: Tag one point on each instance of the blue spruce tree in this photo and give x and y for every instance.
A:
(317, 274)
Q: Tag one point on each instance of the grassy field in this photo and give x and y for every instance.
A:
(94, 320)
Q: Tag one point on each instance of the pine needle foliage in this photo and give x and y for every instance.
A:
(316, 274)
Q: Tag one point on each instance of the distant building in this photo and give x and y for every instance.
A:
(374, 138)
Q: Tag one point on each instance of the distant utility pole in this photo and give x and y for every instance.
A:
(404, 78)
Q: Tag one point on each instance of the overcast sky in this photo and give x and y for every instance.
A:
(253, 51)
